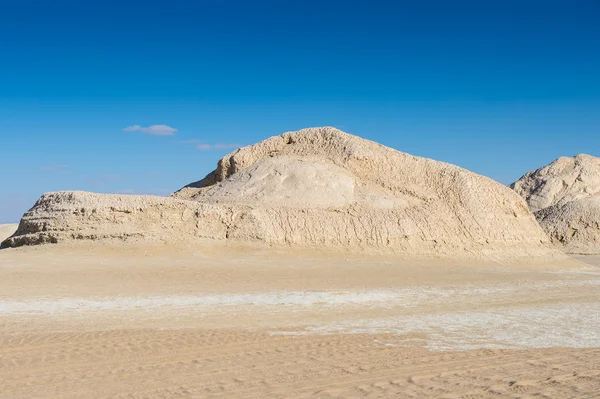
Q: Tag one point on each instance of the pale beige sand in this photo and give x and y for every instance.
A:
(239, 364)
(149, 322)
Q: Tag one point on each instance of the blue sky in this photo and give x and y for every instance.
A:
(498, 87)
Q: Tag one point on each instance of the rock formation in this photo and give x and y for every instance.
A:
(565, 198)
(319, 188)
(564, 180)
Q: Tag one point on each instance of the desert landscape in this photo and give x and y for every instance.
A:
(311, 264)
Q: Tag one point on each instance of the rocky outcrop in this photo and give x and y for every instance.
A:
(575, 225)
(318, 188)
(76, 215)
(565, 198)
(563, 180)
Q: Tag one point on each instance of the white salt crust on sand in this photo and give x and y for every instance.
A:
(527, 326)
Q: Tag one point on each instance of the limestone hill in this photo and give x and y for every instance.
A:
(317, 188)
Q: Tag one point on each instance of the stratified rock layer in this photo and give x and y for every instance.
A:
(319, 188)
(565, 198)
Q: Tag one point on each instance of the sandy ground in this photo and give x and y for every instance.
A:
(122, 322)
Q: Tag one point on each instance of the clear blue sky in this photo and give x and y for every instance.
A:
(498, 87)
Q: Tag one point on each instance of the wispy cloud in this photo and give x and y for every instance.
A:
(218, 146)
(204, 146)
(192, 141)
(112, 176)
(54, 168)
(158, 192)
(127, 191)
(156, 130)
(105, 178)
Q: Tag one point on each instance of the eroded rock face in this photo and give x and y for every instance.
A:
(285, 181)
(565, 198)
(562, 181)
(575, 224)
(76, 215)
(318, 188)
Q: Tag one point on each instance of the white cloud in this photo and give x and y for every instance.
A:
(156, 130)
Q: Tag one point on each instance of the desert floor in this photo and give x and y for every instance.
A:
(91, 321)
